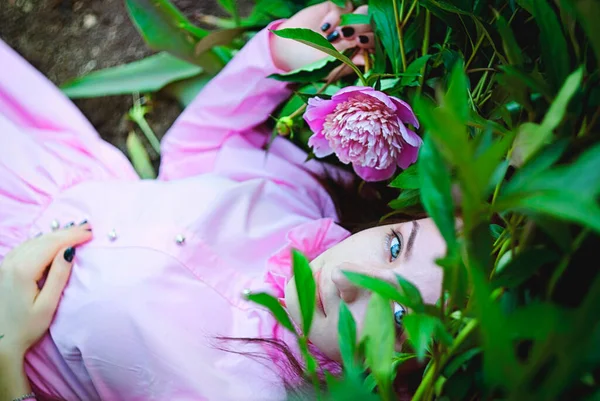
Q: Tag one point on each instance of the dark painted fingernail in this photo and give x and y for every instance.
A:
(69, 254)
(363, 39)
(71, 224)
(325, 26)
(333, 36)
(347, 31)
(83, 222)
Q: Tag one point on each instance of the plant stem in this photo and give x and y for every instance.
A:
(475, 49)
(565, 261)
(409, 13)
(425, 49)
(398, 17)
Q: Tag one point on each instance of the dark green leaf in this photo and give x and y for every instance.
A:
(231, 7)
(548, 319)
(570, 206)
(407, 179)
(552, 40)
(588, 12)
(381, 12)
(379, 336)
(522, 266)
(456, 362)
(310, 73)
(218, 38)
(306, 289)
(139, 157)
(532, 137)
(146, 75)
(163, 27)
(511, 47)
(414, 68)
(271, 303)
(436, 192)
(406, 199)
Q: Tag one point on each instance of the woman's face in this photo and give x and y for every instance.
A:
(408, 249)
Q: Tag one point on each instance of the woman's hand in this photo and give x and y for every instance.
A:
(323, 18)
(25, 310)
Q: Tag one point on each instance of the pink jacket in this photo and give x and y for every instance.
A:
(164, 274)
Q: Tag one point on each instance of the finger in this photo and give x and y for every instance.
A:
(47, 300)
(42, 250)
(365, 41)
(359, 59)
(330, 22)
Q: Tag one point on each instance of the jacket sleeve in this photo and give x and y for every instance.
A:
(226, 113)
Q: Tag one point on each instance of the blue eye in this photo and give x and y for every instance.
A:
(399, 313)
(395, 246)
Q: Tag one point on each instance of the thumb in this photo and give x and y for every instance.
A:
(60, 271)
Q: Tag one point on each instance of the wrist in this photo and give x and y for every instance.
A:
(11, 354)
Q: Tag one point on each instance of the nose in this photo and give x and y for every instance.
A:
(348, 291)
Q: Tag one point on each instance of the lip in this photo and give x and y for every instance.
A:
(319, 297)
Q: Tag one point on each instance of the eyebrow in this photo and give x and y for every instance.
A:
(411, 240)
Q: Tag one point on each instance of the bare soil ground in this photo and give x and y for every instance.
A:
(66, 38)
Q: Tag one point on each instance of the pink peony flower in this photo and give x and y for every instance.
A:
(364, 127)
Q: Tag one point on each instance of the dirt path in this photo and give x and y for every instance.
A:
(67, 38)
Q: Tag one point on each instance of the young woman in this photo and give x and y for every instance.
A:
(164, 276)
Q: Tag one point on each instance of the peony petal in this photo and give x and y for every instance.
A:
(320, 145)
(371, 174)
(383, 98)
(316, 112)
(349, 89)
(405, 112)
(411, 138)
(407, 156)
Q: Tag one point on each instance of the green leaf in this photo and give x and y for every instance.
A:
(163, 27)
(339, 3)
(555, 52)
(231, 7)
(421, 328)
(412, 294)
(511, 47)
(414, 68)
(407, 295)
(379, 336)
(581, 177)
(381, 12)
(314, 40)
(532, 137)
(309, 73)
(457, 98)
(347, 341)
(139, 157)
(456, 362)
(587, 12)
(406, 199)
(548, 319)
(146, 75)
(570, 206)
(436, 191)
(218, 38)
(407, 179)
(271, 303)
(522, 267)
(306, 289)
(354, 19)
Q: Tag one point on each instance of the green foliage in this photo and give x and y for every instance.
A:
(148, 75)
